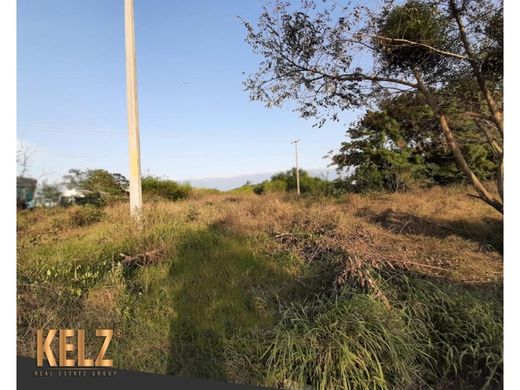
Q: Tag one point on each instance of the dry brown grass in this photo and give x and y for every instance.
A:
(313, 245)
(440, 232)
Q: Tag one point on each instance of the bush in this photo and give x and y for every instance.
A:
(246, 189)
(270, 186)
(92, 199)
(198, 193)
(259, 188)
(155, 188)
(286, 182)
(83, 216)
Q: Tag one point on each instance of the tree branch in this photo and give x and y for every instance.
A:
(399, 41)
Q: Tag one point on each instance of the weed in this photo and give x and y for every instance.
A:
(83, 216)
(277, 291)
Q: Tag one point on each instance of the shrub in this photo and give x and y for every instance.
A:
(287, 182)
(274, 186)
(91, 199)
(157, 188)
(199, 193)
(259, 188)
(245, 189)
(83, 216)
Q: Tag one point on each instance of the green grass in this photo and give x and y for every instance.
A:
(219, 287)
(428, 335)
(233, 305)
(212, 287)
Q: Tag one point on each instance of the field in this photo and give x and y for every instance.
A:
(373, 291)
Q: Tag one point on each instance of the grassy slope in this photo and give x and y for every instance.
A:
(380, 291)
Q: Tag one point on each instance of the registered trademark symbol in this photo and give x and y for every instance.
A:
(118, 333)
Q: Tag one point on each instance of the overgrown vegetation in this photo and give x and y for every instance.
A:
(398, 146)
(425, 335)
(385, 291)
(99, 187)
(156, 188)
(286, 182)
(443, 57)
(393, 282)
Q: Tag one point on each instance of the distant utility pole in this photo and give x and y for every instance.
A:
(136, 196)
(295, 142)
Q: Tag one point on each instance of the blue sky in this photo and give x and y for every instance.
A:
(195, 119)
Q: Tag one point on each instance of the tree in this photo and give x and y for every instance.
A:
(99, 185)
(484, 52)
(399, 144)
(329, 59)
(23, 158)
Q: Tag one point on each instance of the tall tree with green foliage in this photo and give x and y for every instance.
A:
(99, 185)
(329, 58)
(399, 144)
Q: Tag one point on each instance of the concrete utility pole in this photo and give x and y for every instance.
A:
(297, 167)
(136, 196)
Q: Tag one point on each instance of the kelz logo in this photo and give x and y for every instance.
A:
(44, 347)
